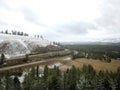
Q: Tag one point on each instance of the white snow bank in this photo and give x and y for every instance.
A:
(13, 45)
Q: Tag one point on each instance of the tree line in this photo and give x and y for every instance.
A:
(101, 52)
(2, 59)
(14, 33)
(71, 79)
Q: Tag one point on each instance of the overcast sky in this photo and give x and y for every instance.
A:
(63, 20)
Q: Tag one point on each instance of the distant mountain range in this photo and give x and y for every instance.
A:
(115, 41)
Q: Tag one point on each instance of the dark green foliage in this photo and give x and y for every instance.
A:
(8, 83)
(72, 75)
(117, 78)
(6, 32)
(17, 85)
(88, 70)
(1, 84)
(54, 79)
(28, 83)
(71, 79)
(37, 71)
(15, 33)
(26, 58)
(46, 72)
(33, 73)
(2, 59)
(84, 83)
(101, 52)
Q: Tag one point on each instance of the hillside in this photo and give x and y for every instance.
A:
(13, 45)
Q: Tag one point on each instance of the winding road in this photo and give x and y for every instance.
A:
(28, 64)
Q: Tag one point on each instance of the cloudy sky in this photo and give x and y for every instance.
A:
(63, 20)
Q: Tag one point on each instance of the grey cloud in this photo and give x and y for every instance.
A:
(3, 4)
(11, 26)
(30, 15)
(110, 19)
(3, 23)
(77, 28)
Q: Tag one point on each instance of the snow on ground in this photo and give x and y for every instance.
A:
(68, 58)
(21, 78)
(13, 45)
(55, 64)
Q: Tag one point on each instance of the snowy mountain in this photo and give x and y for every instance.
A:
(13, 45)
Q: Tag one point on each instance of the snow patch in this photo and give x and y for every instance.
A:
(13, 45)
(56, 64)
(21, 78)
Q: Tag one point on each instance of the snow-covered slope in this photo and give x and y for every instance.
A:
(13, 45)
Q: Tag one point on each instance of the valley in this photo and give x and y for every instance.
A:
(96, 64)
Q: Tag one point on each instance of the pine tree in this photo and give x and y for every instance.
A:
(1, 32)
(26, 58)
(18, 33)
(2, 83)
(54, 80)
(28, 82)
(84, 83)
(6, 32)
(37, 36)
(17, 85)
(37, 71)
(46, 72)
(66, 81)
(118, 79)
(45, 76)
(41, 37)
(2, 58)
(21, 33)
(32, 73)
(72, 78)
(8, 82)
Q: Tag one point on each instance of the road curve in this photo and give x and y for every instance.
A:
(29, 64)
